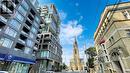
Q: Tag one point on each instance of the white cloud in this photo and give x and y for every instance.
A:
(69, 31)
(67, 55)
(62, 14)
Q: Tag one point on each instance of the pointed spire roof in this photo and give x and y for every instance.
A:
(75, 43)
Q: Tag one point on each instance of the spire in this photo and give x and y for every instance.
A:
(75, 43)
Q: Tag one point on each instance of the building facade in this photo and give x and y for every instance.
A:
(19, 26)
(112, 39)
(49, 56)
(75, 62)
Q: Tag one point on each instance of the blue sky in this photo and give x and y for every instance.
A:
(78, 18)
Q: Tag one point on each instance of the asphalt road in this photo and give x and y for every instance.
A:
(73, 72)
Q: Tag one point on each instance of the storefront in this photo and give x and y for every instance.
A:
(14, 64)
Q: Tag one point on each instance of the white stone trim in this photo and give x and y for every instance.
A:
(115, 32)
(127, 70)
(126, 57)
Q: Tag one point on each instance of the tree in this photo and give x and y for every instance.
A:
(64, 66)
(91, 51)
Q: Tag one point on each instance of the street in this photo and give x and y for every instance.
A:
(73, 72)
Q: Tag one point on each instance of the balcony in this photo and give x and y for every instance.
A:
(22, 38)
(5, 9)
(2, 25)
(32, 12)
(26, 30)
(27, 26)
(24, 33)
(42, 25)
(2, 18)
(21, 41)
(19, 46)
(35, 48)
(0, 30)
(20, 53)
(31, 18)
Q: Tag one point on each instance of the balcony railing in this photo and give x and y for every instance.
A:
(24, 33)
(5, 8)
(2, 18)
(0, 29)
(35, 48)
(21, 53)
(21, 41)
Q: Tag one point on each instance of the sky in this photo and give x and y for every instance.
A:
(78, 18)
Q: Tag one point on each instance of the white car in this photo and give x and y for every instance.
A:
(4, 72)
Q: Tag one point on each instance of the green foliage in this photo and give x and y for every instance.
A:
(91, 52)
(91, 62)
(64, 66)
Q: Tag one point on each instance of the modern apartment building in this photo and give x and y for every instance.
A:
(50, 51)
(112, 39)
(19, 26)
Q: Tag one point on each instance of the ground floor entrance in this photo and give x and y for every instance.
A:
(14, 67)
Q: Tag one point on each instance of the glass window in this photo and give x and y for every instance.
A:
(34, 30)
(6, 42)
(27, 50)
(44, 54)
(30, 43)
(15, 24)
(31, 35)
(126, 14)
(11, 32)
(19, 16)
(37, 19)
(37, 25)
(22, 10)
(26, 6)
(53, 25)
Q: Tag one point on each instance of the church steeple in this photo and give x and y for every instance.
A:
(75, 63)
(75, 43)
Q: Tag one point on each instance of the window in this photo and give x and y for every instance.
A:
(107, 58)
(103, 46)
(26, 6)
(128, 32)
(15, 24)
(44, 54)
(9, 31)
(53, 25)
(37, 25)
(37, 19)
(105, 51)
(19, 16)
(34, 30)
(126, 14)
(111, 39)
(22, 10)
(6, 42)
(27, 50)
(30, 43)
(31, 35)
